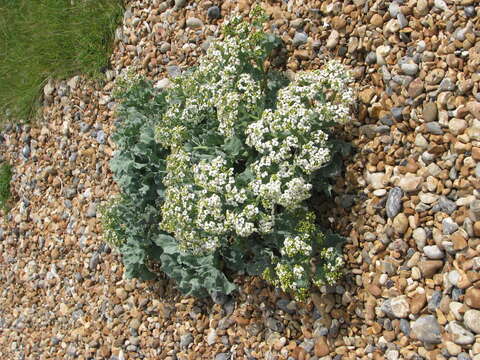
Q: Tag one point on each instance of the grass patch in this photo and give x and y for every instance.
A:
(5, 178)
(42, 39)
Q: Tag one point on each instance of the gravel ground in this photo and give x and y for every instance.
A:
(409, 201)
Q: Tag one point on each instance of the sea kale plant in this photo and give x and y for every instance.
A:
(217, 171)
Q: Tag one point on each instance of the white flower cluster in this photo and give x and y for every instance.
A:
(208, 201)
(332, 264)
(291, 139)
(294, 245)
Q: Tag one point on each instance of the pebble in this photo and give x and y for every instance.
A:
(430, 112)
(444, 205)
(333, 39)
(400, 223)
(440, 4)
(394, 203)
(433, 252)
(398, 307)
(409, 69)
(26, 151)
(410, 183)
(213, 12)
(460, 335)
(179, 4)
(434, 128)
(427, 329)
(472, 297)
(434, 301)
(194, 23)
(472, 320)
(449, 226)
(186, 340)
(299, 39)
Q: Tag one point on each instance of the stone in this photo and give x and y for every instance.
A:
(454, 277)
(415, 88)
(417, 302)
(382, 52)
(186, 340)
(366, 95)
(474, 109)
(194, 23)
(333, 39)
(211, 337)
(213, 12)
(49, 88)
(410, 182)
(472, 320)
(394, 202)
(321, 347)
(452, 348)
(173, 71)
(397, 307)
(405, 326)
(179, 4)
(457, 126)
(472, 297)
(92, 210)
(223, 356)
(410, 69)
(427, 329)
(420, 141)
(428, 198)
(376, 20)
(400, 223)
(26, 151)
(299, 39)
(430, 267)
(445, 205)
(430, 112)
(475, 210)
(163, 84)
(434, 128)
(94, 261)
(433, 252)
(219, 297)
(449, 226)
(440, 4)
(460, 335)
(434, 301)
(420, 237)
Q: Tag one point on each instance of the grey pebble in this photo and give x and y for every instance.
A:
(434, 128)
(94, 261)
(427, 329)
(434, 301)
(173, 71)
(186, 340)
(409, 69)
(299, 39)
(26, 151)
(219, 297)
(274, 324)
(405, 326)
(223, 356)
(470, 11)
(394, 203)
(449, 226)
(92, 210)
(444, 205)
(213, 12)
(101, 137)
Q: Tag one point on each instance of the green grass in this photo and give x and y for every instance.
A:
(5, 178)
(42, 39)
